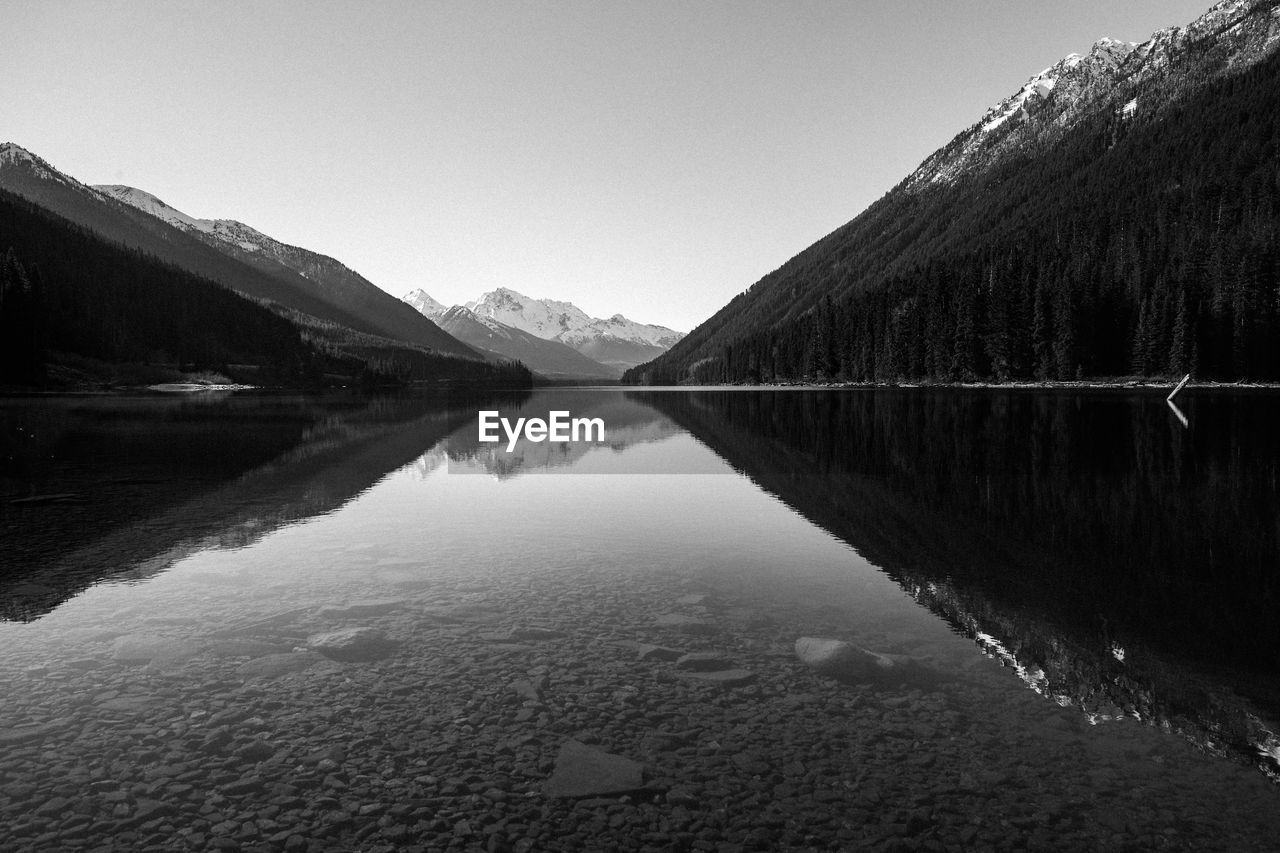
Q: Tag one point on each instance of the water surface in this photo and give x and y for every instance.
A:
(1086, 586)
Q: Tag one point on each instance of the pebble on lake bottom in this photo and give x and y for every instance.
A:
(583, 714)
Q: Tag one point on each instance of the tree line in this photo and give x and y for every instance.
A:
(1136, 246)
(66, 293)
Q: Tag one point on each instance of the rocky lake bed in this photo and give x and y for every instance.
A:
(583, 710)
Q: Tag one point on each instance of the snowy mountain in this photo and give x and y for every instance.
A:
(225, 230)
(552, 359)
(1085, 225)
(564, 321)
(227, 252)
(1115, 75)
(12, 155)
(425, 305)
(617, 343)
(326, 277)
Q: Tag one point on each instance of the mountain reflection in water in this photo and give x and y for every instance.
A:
(110, 487)
(1117, 560)
(627, 423)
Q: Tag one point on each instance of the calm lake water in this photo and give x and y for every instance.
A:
(1082, 591)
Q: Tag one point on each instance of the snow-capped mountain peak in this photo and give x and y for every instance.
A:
(12, 154)
(616, 343)
(424, 304)
(148, 203)
(1038, 87)
(1107, 54)
(227, 230)
(564, 321)
(462, 311)
(1112, 75)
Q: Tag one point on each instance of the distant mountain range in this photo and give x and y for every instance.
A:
(556, 339)
(551, 359)
(355, 329)
(110, 285)
(1118, 214)
(367, 307)
(225, 251)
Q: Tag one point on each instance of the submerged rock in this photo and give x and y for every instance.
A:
(720, 678)
(352, 645)
(533, 632)
(647, 651)
(844, 661)
(685, 624)
(140, 649)
(703, 662)
(520, 635)
(581, 771)
(134, 704)
(238, 647)
(530, 689)
(25, 734)
(273, 666)
(358, 609)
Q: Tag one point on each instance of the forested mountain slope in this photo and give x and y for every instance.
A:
(65, 290)
(75, 307)
(1118, 215)
(312, 284)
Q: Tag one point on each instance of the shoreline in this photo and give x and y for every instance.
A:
(1100, 385)
(1071, 385)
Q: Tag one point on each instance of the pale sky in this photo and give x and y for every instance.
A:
(645, 158)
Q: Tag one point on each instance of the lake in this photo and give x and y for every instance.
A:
(259, 621)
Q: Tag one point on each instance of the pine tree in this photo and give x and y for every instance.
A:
(1180, 348)
(1042, 334)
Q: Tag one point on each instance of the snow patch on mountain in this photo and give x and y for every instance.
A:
(1106, 53)
(424, 304)
(227, 230)
(566, 322)
(1038, 86)
(1112, 75)
(12, 154)
(616, 343)
(462, 311)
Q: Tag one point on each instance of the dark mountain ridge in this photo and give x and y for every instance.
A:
(78, 309)
(315, 284)
(1121, 221)
(64, 290)
(548, 358)
(1126, 562)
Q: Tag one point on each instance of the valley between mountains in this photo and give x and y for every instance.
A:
(1116, 217)
(110, 285)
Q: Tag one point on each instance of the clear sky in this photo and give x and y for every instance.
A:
(645, 158)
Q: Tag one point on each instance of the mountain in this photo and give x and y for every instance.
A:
(71, 302)
(616, 342)
(1234, 34)
(1098, 580)
(181, 481)
(424, 304)
(375, 311)
(629, 424)
(1118, 214)
(78, 309)
(296, 279)
(551, 359)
